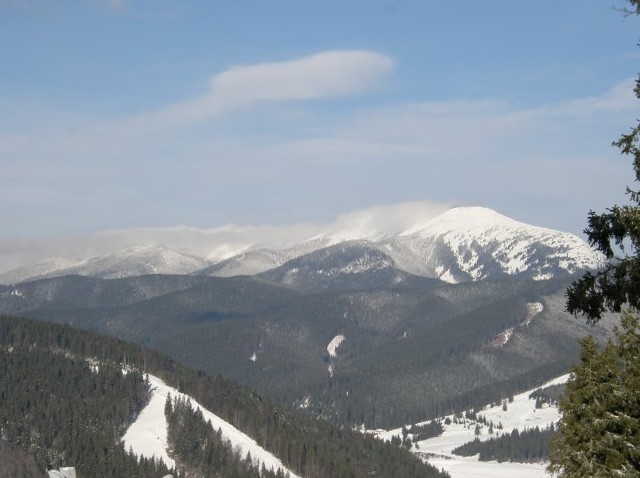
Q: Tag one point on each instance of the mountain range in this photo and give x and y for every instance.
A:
(426, 319)
(461, 244)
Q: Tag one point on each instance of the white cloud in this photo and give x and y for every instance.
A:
(328, 74)
(324, 75)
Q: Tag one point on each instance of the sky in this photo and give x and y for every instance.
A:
(124, 114)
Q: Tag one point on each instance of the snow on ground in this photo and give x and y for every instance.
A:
(147, 436)
(520, 414)
(334, 344)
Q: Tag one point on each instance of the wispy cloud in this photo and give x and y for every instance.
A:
(328, 74)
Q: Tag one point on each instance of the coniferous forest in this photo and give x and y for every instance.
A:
(528, 446)
(65, 401)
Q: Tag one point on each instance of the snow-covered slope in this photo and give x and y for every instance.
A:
(461, 244)
(473, 243)
(521, 414)
(41, 269)
(147, 436)
(131, 262)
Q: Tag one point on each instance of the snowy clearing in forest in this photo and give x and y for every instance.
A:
(147, 436)
(521, 414)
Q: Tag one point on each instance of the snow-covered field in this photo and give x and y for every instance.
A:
(520, 414)
(147, 436)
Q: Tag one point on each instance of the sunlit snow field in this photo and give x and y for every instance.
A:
(520, 414)
(147, 436)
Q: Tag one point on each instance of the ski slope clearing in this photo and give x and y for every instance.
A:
(520, 414)
(147, 436)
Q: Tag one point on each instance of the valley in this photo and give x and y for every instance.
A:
(373, 333)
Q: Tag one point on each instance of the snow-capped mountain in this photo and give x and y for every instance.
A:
(474, 243)
(131, 262)
(461, 244)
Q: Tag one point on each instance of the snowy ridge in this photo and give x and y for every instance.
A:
(147, 436)
(460, 244)
(139, 260)
(39, 269)
(521, 414)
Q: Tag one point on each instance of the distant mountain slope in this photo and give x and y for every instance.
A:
(461, 244)
(350, 265)
(131, 262)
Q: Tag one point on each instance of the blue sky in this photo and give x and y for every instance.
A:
(118, 114)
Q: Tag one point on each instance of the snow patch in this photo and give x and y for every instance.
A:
(533, 309)
(502, 339)
(447, 276)
(334, 344)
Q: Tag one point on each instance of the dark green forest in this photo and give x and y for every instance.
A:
(46, 371)
(528, 446)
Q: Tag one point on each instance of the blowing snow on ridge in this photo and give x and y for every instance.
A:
(457, 245)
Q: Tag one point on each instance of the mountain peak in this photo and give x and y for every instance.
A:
(464, 219)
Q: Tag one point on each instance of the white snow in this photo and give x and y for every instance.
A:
(147, 436)
(532, 309)
(334, 344)
(447, 276)
(502, 339)
(520, 414)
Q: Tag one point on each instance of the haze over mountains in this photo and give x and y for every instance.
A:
(457, 245)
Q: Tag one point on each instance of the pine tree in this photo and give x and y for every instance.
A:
(615, 233)
(584, 445)
(599, 434)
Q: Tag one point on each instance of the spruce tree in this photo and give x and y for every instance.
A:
(615, 233)
(585, 444)
(599, 433)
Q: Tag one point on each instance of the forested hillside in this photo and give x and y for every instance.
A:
(66, 401)
(411, 351)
